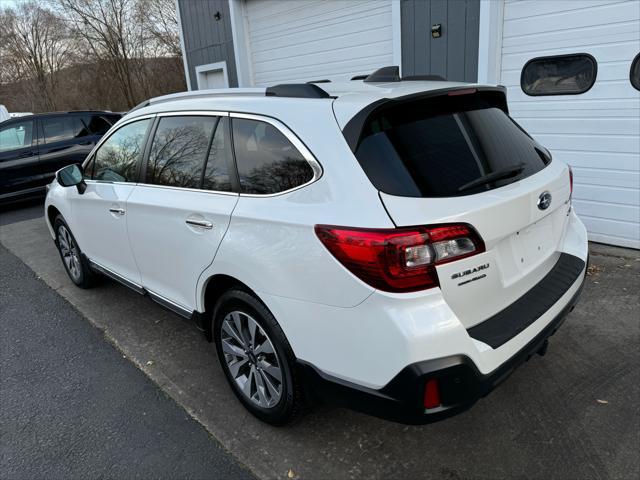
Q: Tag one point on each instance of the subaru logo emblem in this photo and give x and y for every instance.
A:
(544, 200)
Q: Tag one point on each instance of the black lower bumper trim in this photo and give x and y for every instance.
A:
(461, 383)
(508, 323)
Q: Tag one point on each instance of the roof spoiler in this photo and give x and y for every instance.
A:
(352, 131)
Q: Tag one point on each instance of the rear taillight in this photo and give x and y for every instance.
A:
(400, 259)
(570, 181)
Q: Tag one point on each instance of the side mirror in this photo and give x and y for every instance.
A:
(72, 175)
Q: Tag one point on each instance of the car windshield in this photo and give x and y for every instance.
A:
(446, 146)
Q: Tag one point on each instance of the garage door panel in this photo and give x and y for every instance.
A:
(300, 43)
(575, 17)
(583, 125)
(617, 51)
(604, 177)
(301, 14)
(574, 38)
(601, 143)
(314, 40)
(347, 68)
(610, 231)
(619, 195)
(597, 132)
(529, 8)
(611, 211)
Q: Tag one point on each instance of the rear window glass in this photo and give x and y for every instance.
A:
(446, 147)
(559, 75)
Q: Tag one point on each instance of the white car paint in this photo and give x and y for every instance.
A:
(331, 318)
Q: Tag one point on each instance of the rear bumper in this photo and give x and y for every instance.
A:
(460, 381)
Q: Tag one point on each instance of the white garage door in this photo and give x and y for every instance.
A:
(597, 132)
(302, 40)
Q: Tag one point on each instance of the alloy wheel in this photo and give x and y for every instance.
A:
(251, 359)
(69, 252)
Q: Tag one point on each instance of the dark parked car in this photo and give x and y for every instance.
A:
(32, 148)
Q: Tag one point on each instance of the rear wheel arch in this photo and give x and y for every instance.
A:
(214, 288)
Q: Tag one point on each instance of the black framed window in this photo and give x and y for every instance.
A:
(219, 160)
(62, 128)
(117, 158)
(559, 75)
(17, 135)
(179, 150)
(267, 161)
(634, 72)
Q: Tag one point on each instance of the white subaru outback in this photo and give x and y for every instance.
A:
(397, 246)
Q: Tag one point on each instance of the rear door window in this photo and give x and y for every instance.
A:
(96, 124)
(62, 128)
(446, 147)
(178, 151)
(17, 135)
(267, 161)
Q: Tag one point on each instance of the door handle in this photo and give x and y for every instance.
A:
(200, 223)
(117, 211)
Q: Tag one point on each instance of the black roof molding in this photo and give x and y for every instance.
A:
(324, 80)
(385, 74)
(425, 77)
(296, 90)
(359, 77)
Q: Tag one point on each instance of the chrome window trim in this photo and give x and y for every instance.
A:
(302, 148)
(198, 190)
(282, 128)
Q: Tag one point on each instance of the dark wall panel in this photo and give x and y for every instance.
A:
(207, 40)
(455, 54)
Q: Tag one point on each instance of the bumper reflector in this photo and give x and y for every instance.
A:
(431, 394)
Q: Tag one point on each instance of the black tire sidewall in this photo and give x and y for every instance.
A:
(85, 273)
(287, 408)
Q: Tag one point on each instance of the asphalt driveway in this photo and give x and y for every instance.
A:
(573, 414)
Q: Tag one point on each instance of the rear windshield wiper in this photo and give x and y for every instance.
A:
(493, 176)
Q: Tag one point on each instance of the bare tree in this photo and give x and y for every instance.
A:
(35, 44)
(111, 30)
(162, 23)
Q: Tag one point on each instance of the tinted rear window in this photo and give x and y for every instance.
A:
(445, 147)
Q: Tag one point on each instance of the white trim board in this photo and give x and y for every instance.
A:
(490, 41)
(202, 70)
(185, 64)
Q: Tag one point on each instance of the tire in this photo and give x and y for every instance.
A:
(271, 391)
(73, 260)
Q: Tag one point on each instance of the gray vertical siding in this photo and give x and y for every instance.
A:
(455, 54)
(207, 40)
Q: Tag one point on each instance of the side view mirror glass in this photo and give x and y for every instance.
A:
(71, 175)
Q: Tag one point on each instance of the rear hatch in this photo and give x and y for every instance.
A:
(457, 157)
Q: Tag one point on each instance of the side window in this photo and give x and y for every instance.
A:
(117, 158)
(96, 124)
(178, 151)
(634, 72)
(216, 173)
(267, 161)
(17, 135)
(57, 129)
(559, 75)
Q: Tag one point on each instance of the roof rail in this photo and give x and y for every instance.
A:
(385, 74)
(324, 80)
(359, 77)
(296, 90)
